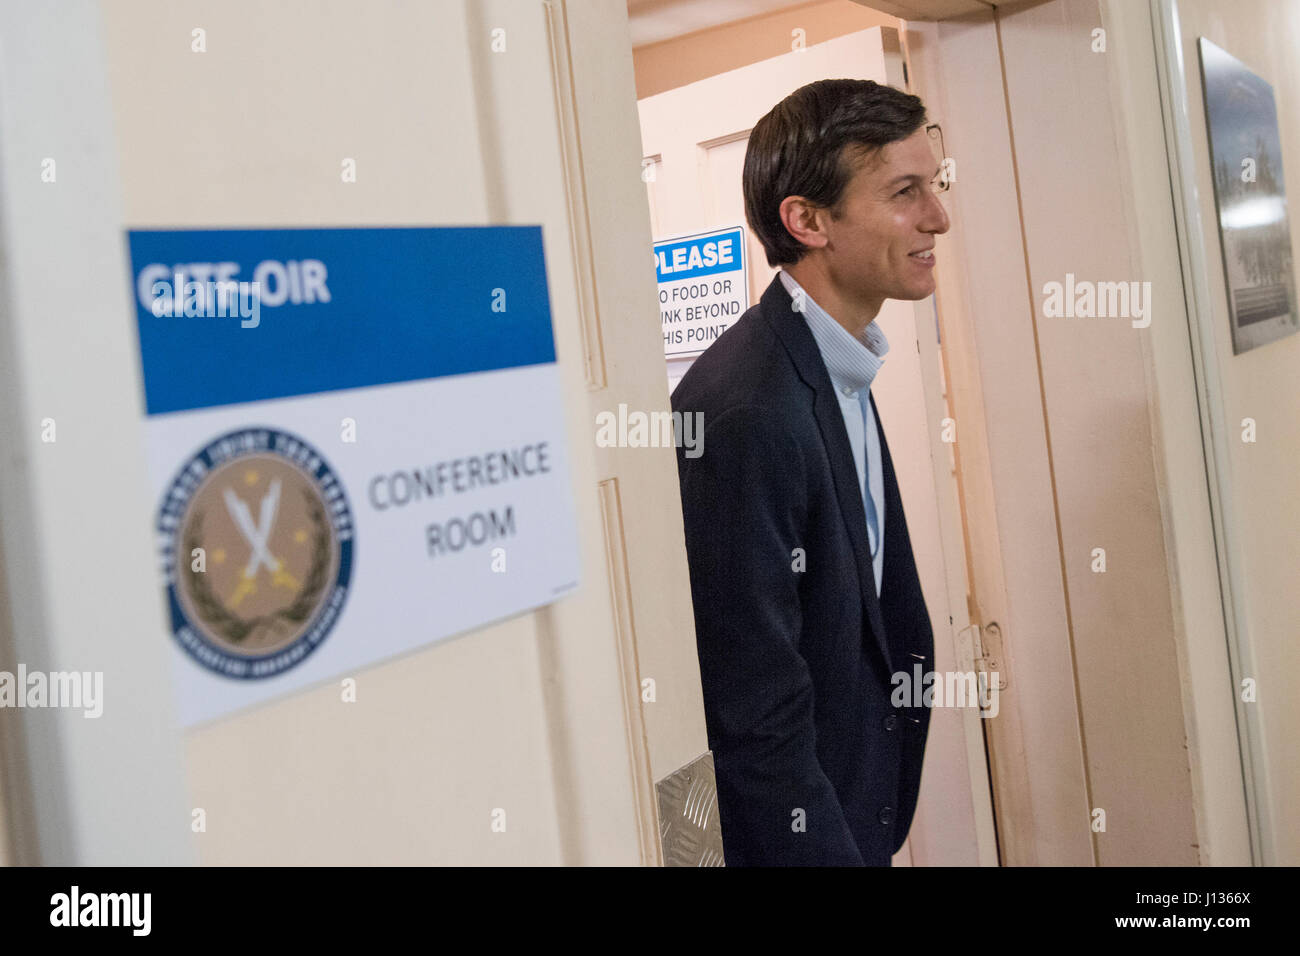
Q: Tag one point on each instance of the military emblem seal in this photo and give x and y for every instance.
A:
(257, 544)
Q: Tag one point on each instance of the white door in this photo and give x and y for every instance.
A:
(694, 139)
(551, 737)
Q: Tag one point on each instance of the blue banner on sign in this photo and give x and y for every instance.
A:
(702, 255)
(240, 315)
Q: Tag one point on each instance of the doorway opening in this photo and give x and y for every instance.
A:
(703, 80)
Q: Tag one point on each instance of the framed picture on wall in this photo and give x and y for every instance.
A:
(1250, 196)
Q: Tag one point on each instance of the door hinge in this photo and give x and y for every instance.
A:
(985, 653)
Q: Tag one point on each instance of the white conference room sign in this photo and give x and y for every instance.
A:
(355, 442)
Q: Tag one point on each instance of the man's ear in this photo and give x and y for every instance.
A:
(804, 220)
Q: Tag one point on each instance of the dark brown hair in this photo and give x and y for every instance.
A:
(806, 146)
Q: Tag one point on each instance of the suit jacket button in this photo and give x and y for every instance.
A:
(886, 815)
(891, 722)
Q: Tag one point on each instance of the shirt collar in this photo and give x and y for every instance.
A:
(852, 361)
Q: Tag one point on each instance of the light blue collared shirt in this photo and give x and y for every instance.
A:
(853, 363)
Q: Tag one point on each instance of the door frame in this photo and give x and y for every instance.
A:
(56, 580)
(1191, 241)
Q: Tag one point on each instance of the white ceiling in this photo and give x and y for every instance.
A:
(650, 21)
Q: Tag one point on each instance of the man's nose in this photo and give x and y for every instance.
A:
(936, 220)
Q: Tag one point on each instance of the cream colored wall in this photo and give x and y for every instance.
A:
(685, 59)
(1262, 384)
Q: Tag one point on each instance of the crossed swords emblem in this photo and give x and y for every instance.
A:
(257, 536)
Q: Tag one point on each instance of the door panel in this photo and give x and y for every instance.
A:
(468, 117)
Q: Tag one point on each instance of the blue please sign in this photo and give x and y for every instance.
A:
(703, 288)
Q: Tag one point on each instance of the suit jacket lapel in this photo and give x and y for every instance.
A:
(793, 331)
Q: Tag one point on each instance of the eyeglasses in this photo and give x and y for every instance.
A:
(941, 183)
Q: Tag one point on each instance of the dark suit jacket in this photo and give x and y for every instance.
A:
(796, 659)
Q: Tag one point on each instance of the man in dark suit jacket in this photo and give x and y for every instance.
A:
(806, 596)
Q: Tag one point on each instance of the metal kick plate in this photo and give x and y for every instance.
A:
(689, 829)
